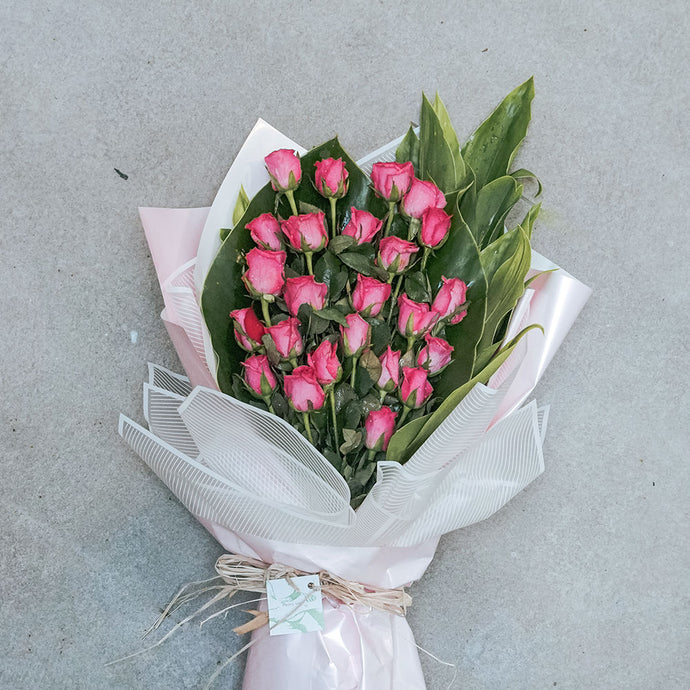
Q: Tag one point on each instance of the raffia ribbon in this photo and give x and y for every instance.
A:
(243, 574)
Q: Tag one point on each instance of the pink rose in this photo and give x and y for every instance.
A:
(390, 370)
(392, 180)
(303, 390)
(395, 254)
(258, 375)
(306, 232)
(355, 335)
(415, 389)
(265, 274)
(379, 427)
(248, 329)
(325, 363)
(265, 231)
(422, 196)
(370, 295)
(284, 169)
(449, 300)
(435, 227)
(414, 318)
(362, 226)
(304, 290)
(286, 337)
(331, 178)
(435, 355)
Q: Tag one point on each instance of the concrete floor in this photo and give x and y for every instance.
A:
(582, 580)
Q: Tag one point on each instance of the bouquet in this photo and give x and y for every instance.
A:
(358, 340)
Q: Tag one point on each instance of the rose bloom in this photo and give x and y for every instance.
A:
(355, 335)
(370, 295)
(390, 370)
(284, 169)
(248, 329)
(331, 178)
(392, 180)
(414, 318)
(415, 389)
(286, 337)
(362, 226)
(435, 227)
(435, 355)
(258, 375)
(304, 290)
(303, 390)
(265, 274)
(265, 231)
(395, 254)
(379, 427)
(422, 196)
(449, 299)
(306, 232)
(325, 363)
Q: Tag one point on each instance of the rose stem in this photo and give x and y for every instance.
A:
(264, 309)
(354, 371)
(395, 297)
(425, 256)
(372, 453)
(291, 198)
(267, 400)
(333, 227)
(382, 395)
(389, 221)
(307, 426)
(331, 396)
(310, 268)
(405, 412)
(412, 228)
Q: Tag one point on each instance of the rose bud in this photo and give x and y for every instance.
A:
(379, 427)
(258, 375)
(265, 274)
(435, 355)
(265, 231)
(395, 254)
(248, 329)
(422, 196)
(370, 295)
(306, 232)
(363, 226)
(355, 335)
(390, 370)
(304, 290)
(325, 363)
(287, 339)
(449, 299)
(392, 180)
(415, 389)
(331, 178)
(284, 169)
(435, 227)
(414, 318)
(303, 390)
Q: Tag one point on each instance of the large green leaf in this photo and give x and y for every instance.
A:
(528, 222)
(433, 421)
(403, 438)
(460, 258)
(451, 139)
(409, 150)
(491, 149)
(486, 212)
(436, 160)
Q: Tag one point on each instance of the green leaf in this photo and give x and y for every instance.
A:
(403, 438)
(331, 314)
(524, 174)
(409, 149)
(528, 223)
(491, 149)
(435, 153)
(340, 243)
(451, 139)
(240, 206)
(491, 206)
(433, 421)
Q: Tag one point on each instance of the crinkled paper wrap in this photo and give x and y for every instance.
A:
(264, 492)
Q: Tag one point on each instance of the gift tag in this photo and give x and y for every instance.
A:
(294, 609)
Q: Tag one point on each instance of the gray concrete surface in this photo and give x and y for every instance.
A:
(581, 581)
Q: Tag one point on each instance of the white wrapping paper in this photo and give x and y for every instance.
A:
(264, 492)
